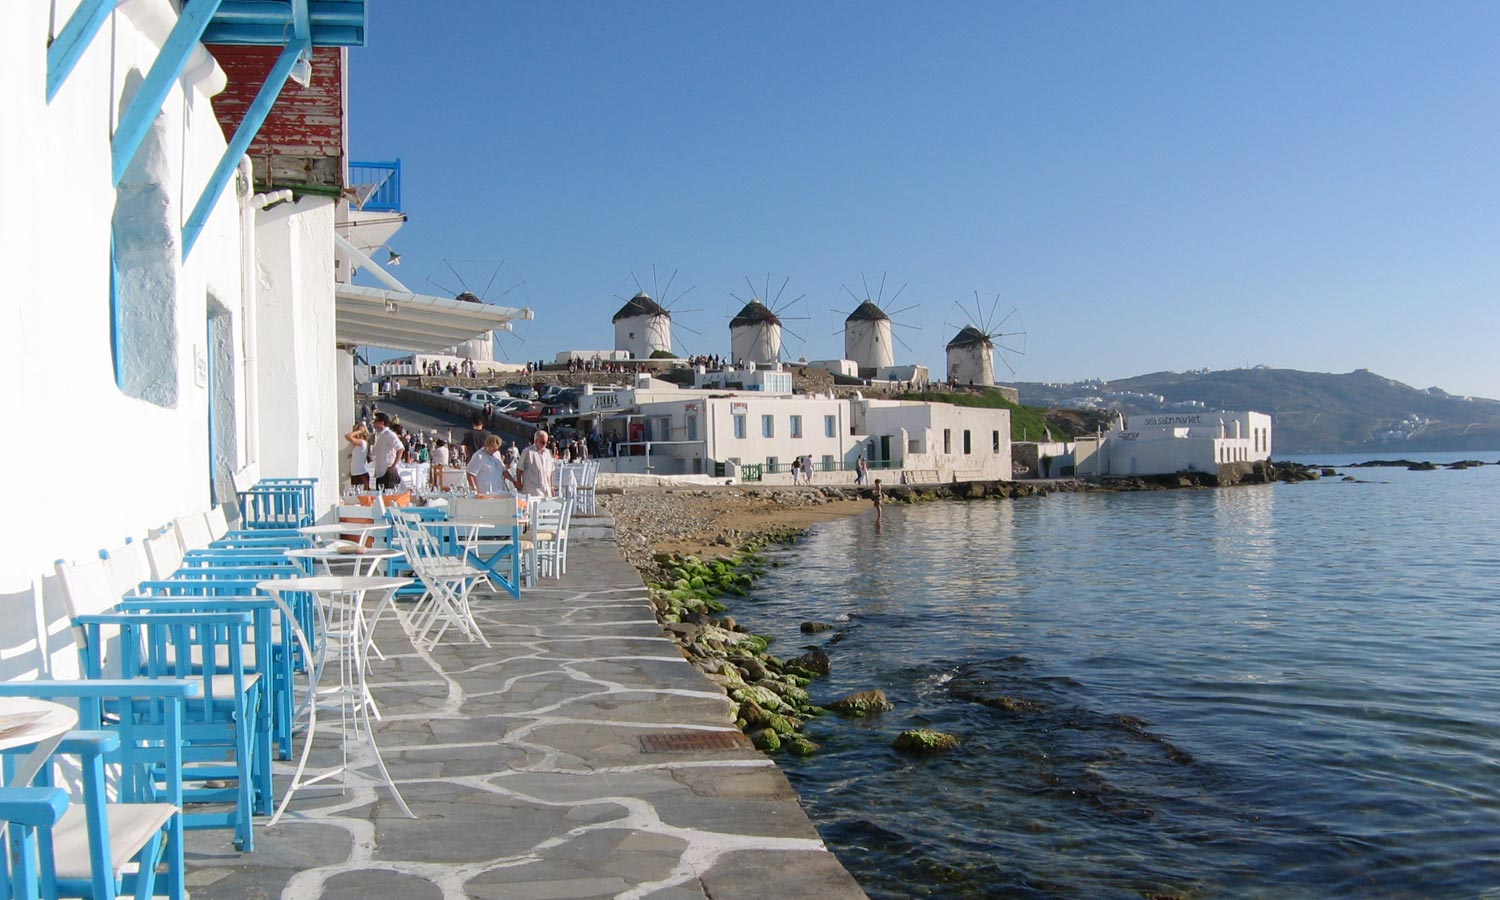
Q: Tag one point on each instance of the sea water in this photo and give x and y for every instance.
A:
(1270, 691)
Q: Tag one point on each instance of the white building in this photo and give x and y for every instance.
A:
(643, 327)
(868, 339)
(755, 335)
(207, 327)
(1218, 443)
(941, 441)
(971, 358)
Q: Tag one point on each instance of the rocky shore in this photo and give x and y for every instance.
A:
(698, 548)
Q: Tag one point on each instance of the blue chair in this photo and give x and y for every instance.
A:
(87, 849)
(226, 730)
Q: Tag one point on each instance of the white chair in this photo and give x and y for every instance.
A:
(448, 581)
(549, 532)
(587, 480)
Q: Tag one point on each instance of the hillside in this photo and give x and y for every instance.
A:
(1314, 411)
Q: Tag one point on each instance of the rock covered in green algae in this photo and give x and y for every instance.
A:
(862, 703)
(923, 740)
(766, 739)
(812, 664)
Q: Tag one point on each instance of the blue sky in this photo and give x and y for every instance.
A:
(1151, 185)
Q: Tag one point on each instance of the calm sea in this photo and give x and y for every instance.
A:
(1281, 691)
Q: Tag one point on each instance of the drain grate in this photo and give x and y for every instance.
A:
(694, 740)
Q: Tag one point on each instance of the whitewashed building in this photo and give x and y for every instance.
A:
(934, 441)
(868, 339)
(755, 335)
(1162, 444)
(971, 358)
(177, 322)
(643, 327)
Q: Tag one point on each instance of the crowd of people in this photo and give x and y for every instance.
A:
(378, 445)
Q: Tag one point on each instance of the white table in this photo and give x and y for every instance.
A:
(23, 721)
(367, 562)
(334, 531)
(341, 611)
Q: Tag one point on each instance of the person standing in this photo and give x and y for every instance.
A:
(877, 496)
(474, 439)
(536, 467)
(486, 470)
(439, 462)
(359, 457)
(861, 470)
(386, 451)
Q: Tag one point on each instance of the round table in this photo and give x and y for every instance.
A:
(329, 556)
(23, 721)
(333, 530)
(341, 613)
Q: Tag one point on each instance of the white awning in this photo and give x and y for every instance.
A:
(396, 320)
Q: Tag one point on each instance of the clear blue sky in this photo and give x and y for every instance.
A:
(1154, 185)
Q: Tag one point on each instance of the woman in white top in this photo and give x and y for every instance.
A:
(439, 461)
(359, 457)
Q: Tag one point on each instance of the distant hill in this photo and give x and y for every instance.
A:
(1315, 412)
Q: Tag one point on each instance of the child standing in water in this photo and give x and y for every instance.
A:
(876, 496)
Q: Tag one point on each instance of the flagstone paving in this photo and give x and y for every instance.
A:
(550, 765)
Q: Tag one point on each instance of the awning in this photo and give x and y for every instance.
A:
(396, 320)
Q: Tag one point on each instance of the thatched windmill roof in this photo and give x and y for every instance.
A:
(641, 305)
(867, 312)
(970, 337)
(754, 313)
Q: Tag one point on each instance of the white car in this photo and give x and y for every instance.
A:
(453, 392)
(480, 397)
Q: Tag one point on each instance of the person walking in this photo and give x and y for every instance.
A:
(536, 467)
(486, 470)
(861, 470)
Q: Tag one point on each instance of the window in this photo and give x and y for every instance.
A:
(796, 426)
(771, 463)
(827, 463)
(830, 426)
(739, 427)
(692, 428)
(947, 440)
(968, 443)
(913, 445)
(767, 426)
(994, 441)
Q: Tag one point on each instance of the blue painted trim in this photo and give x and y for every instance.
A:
(159, 81)
(68, 47)
(330, 23)
(116, 332)
(255, 116)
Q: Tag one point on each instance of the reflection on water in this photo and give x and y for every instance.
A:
(1269, 691)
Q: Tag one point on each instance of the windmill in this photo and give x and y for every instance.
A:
(972, 352)
(643, 326)
(484, 348)
(755, 331)
(868, 336)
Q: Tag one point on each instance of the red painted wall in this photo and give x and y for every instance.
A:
(304, 140)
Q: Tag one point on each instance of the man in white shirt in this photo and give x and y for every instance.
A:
(486, 470)
(386, 450)
(536, 467)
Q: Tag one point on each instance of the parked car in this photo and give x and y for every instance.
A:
(480, 397)
(508, 406)
(457, 393)
(550, 392)
(525, 392)
(499, 394)
(532, 412)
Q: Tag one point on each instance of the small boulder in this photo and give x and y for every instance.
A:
(923, 740)
(815, 627)
(814, 663)
(862, 703)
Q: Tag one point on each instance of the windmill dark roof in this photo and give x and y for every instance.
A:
(641, 305)
(468, 297)
(868, 312)
(970, 337)
(754, 313)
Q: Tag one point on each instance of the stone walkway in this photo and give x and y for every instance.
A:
(581, 756)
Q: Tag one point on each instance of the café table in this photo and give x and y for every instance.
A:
(24, 721)
(341, 600)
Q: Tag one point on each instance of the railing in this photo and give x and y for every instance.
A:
(384, 180)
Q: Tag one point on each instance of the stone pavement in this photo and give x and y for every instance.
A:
(580, 756)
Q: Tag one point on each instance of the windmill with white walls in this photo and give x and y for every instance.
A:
(973, 350)
(755, 332)
(643, 326)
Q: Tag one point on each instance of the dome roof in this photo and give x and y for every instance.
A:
(641, 305)
(754, 313)
(868, 312)
(970, 337)
(468, 297)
